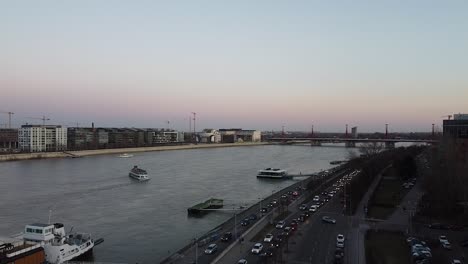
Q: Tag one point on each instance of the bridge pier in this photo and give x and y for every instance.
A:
(389, 145)
(314, 143)
(350, 144)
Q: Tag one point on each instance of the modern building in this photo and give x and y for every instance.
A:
(40, 138)
(80, 138)
(233, 135)
(209, 136)
(458, 127)
(8, 139)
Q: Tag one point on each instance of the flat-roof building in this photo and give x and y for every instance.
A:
(456, 128)
(40, 138)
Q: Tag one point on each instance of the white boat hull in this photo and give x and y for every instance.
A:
(138, 177)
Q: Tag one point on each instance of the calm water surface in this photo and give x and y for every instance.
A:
(144, 222)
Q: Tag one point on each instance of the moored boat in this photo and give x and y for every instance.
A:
(273, 173)
(58, 246)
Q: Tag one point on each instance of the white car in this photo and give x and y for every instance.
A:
(313, 208)
(340, 238)
(280, 224)
(316, 198)
(257, 248)
(443, 239)
(242, 261)
(340, 244)
(268, 238)
(455, 261)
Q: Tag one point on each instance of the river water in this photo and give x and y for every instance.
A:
(145, 222)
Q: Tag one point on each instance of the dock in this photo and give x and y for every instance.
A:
(202, 208)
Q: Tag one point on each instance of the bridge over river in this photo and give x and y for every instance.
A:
(349, 142)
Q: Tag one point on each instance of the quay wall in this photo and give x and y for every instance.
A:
(83, 153)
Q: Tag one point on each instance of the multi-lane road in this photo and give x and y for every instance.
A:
(314, 241)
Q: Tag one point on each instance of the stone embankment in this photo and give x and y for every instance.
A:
(83, 153)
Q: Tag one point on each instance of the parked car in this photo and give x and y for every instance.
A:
(268, 238)
(303, 207)
(287, 230)
(329, 220)
(264, 210)
(268, 252)
(455, 261)
(226, 236)
(245, 222)
(340, 244)
(442, 239)
(447, 245)
(316, 198)
(257, 248)
(211, 249)
(340, 238)
(313, 208)
(242, 261)
(276, 242)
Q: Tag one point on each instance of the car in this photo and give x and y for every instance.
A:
(340, 238)
(295, 193)
(264, 210)
(438, 226)
(242, 261)
(301, 218)
(455, 261)
(313, 208)
(316, 198)
(268, 252)
(257, 248)
(303, 207)
(253, 217)
(211, 249)
(447, 245)
(226, 236)
(280, 224)
(287, 230)
(268, 238)
(340, 244)
(339, 252)
(245, 222)
(328, 220)
(276, 242)
(442, 239)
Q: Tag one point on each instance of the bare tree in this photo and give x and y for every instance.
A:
(371, 148)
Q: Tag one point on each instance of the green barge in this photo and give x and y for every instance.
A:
(202, 208)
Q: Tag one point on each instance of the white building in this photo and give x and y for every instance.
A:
(233, 135)
(209, 136)
(39, 138)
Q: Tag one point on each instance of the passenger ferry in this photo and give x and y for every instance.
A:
(58, 246)
(138, 174)
(273, 173)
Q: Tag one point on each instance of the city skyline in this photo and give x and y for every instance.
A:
(254, 66)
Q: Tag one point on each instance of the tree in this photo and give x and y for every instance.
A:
(371, 148)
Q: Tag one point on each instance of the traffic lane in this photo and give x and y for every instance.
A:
(321, 235)
(253, 258)
(296, 238)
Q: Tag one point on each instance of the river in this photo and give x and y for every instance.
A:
(145, 222)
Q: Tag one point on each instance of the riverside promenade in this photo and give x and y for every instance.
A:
(83, 153)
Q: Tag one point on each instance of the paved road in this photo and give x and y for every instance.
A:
(313, 242)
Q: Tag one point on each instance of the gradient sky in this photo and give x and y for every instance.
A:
(249, 64)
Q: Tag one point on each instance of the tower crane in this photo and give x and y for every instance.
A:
(9, 117)
(43, 118)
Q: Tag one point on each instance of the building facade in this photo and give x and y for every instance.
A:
(456, 128)
(40, 138)
(8, 139)
(233, 135)
(209, 136)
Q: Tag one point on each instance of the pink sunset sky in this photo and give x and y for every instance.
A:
(254, 66)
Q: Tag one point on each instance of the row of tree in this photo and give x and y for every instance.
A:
(446, 181)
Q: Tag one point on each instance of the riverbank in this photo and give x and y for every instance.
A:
(83, 153)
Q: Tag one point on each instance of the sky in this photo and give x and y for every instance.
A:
(248, 64)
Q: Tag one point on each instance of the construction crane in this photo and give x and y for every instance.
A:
(9, 117)
(43, 118)
(448, 116)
